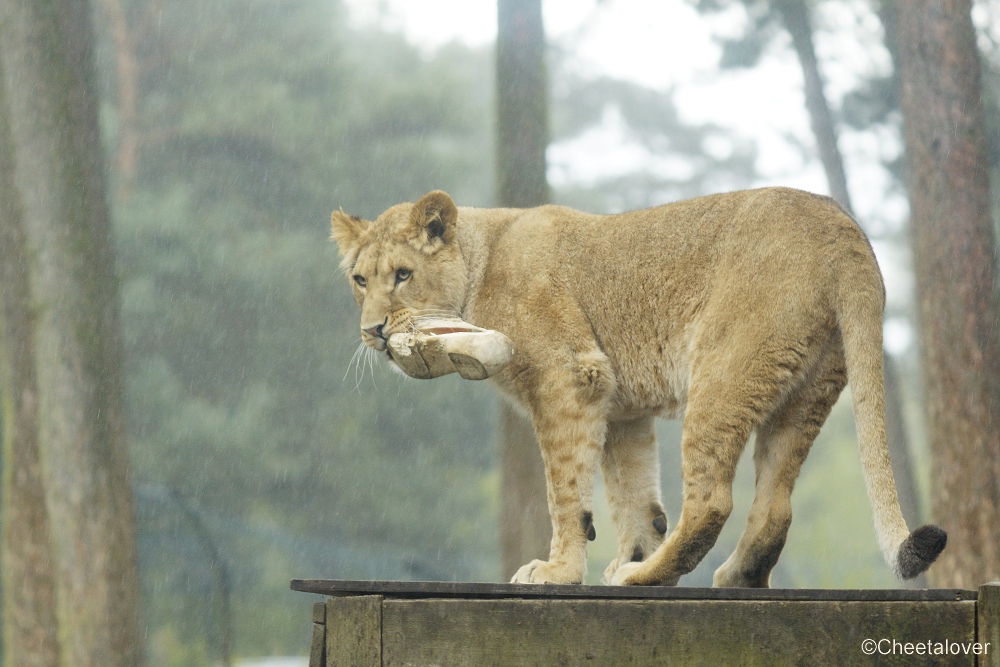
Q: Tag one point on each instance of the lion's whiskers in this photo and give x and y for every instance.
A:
(359, 369)
(370, 357)
(354, 358)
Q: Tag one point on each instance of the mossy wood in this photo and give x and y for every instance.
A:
(371, 623)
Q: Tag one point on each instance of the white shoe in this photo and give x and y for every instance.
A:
(443, 346)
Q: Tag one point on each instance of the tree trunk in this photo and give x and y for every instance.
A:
(525, 528)
(522, 104)
(521, 139)
(795, 16)
(954, 254)
(46, 47)
(29, 587)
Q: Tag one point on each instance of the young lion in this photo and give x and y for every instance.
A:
(741, 312)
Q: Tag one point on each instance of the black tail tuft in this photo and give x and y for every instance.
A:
(919, 550)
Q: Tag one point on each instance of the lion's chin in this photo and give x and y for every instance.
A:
(375, 343)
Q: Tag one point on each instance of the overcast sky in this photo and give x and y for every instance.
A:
(666, 44)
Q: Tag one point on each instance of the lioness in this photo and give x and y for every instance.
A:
(741, 312)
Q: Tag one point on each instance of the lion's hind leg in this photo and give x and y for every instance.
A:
(710, 448)
(631, 470)
(783, 442)
(735, 386)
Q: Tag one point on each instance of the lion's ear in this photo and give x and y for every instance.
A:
(433, 221)
(346, 230)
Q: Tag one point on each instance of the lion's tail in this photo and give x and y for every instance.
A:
(859, 313)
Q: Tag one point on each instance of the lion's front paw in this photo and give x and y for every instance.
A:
(547, 572)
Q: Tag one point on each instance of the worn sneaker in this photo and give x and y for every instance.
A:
(443, 346)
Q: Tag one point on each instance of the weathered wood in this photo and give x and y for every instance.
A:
(446, 589)
(354, 631)
(317, 651)
(468, 633)
(988, 625)
(319, 612)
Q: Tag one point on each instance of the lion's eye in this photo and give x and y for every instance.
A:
(402, 275)
(360, 281)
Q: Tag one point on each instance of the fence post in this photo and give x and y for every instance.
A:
(354, 631)
(317, 652)
(988, 623)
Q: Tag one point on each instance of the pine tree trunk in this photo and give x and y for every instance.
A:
(522, 104)
(521, 139)
(29, 587)
(954, 255)
(795, 16)
(47, 48)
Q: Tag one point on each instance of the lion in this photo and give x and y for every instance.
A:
(740, 312)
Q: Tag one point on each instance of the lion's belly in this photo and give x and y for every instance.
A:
(654, 385)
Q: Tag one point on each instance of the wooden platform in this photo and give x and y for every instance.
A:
(383, 623)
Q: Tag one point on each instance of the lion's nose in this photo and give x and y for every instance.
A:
(374, 332)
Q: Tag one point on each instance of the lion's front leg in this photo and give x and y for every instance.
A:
(571, 453)
(570, 423)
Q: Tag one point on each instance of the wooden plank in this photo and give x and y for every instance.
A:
(319, 612)
(988, 626)
(444, 589)
(317, 650)
(472, 633)
(354, 631)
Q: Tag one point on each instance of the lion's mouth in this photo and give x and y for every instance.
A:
(377, 343)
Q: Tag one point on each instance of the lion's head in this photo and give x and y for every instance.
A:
(405, 264)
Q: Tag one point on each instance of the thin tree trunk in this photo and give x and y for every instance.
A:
(46, 46)
(954, 255)
(29, 586)
(796, 18)
(521, 139)
(522, 104)
(224, 587)
(525, 528)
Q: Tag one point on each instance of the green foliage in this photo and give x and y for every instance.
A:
(255, 119)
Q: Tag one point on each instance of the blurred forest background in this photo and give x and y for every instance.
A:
(261, 450)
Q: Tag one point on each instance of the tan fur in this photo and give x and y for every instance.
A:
(740, 312)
